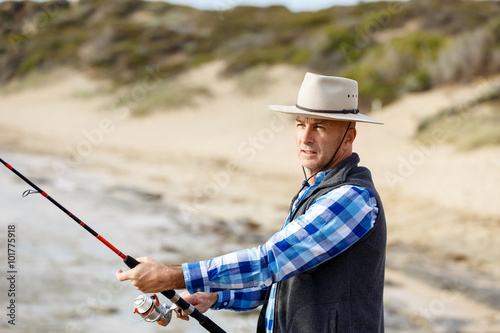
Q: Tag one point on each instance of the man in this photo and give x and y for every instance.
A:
(324, 270)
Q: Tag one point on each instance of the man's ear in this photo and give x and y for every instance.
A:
(351, 135)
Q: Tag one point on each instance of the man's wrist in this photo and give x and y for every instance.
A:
(216, 299)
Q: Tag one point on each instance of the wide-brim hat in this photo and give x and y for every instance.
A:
(327, 97)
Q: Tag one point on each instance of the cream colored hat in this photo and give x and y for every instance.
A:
(327, 97)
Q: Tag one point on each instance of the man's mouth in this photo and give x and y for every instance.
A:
(308, 152)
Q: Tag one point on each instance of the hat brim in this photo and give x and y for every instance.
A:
(292, 109)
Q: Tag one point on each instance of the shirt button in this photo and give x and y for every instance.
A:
(198, 290)
(225, 303)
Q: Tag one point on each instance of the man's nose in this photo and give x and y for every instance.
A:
(307, 135)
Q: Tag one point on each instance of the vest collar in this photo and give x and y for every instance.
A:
(338, 174)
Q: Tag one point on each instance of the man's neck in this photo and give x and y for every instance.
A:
(310, 173)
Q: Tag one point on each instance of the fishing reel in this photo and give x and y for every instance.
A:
(150, 309)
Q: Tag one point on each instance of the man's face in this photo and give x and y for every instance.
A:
(317, 140)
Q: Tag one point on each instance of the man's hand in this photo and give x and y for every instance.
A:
(201, 301)
(151, 276)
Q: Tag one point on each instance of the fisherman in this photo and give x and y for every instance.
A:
(324, 270)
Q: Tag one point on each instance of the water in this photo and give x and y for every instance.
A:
(65, 278)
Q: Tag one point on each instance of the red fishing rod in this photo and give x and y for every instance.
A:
(172, 295)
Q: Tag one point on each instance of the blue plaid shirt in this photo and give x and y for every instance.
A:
(331, 225)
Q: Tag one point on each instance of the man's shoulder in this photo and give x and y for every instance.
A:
(347, 192)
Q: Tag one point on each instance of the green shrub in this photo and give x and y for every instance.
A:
(388, 70)
(475, 124)
(32, 61)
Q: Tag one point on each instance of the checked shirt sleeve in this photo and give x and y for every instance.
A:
(240, 299)
(331, 225)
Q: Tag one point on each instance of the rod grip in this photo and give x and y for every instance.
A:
(131, 262)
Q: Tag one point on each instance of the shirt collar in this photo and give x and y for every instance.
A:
(320, 176)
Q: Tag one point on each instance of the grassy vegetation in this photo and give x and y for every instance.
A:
(389, 47)
(470, 126)
(254, 80)
(400, 66)
(167, 96)
(31, 80)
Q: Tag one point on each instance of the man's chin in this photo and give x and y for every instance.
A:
(310, 167)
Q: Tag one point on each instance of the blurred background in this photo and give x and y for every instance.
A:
(149, 121)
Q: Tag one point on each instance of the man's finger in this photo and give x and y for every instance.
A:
(143, 260)
(182, 315)
(122, 276)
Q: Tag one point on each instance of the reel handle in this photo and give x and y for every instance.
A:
(174, 297)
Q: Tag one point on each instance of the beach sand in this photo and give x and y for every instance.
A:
(228, 161)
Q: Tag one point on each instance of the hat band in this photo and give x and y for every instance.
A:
(345, 111)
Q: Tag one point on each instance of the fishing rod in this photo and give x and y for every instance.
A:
(148, 308)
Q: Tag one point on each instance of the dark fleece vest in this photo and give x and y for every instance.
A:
(343, 294)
